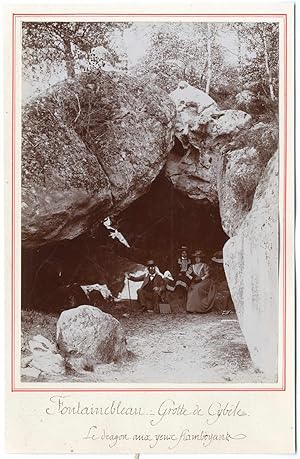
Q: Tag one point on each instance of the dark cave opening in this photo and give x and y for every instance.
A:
(156, 225)
(164, 219)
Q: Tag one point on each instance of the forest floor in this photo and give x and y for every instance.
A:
(165, 348)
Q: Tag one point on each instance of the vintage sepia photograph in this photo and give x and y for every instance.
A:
(150, 202)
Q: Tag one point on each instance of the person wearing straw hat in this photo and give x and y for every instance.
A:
(183, 261)
(152, 287)
(202, 292)
(216, 267)
(218, 275)
(218, 257)
(180, 279)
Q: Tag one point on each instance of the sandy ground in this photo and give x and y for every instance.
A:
(180, 348)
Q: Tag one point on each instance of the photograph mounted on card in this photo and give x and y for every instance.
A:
(150, 250)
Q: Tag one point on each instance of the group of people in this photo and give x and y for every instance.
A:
(192, 276)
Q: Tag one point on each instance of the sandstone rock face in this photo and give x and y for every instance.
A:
(227, 122)
(251, 265)
(30, 372)
(238, 178)
(194, 174)
(43, 360)
(187, 98)
(86, 336)
(202, 128)
(229, 162)
(90, 147)
(241, 164)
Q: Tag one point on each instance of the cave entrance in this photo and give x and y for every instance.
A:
(156, 225)
(162, 220)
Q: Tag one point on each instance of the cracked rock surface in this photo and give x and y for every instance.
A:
(91, 146)
(202, 128)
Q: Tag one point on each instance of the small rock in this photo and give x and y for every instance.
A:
(230, 122)
(43, 340)
(48, 362)
(41, 343)
(31, 372)
(44, 356)
(25, 361)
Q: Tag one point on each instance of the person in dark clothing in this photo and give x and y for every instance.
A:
(153, 285)
(202, 291)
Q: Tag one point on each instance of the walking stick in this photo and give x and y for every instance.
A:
(129, 294)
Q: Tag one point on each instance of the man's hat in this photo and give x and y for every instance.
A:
(218, 257)
(198, 253)
(151, 263)
(182, 248)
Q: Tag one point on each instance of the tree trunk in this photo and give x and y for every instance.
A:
(268, 70)
(209, 66)
(69, 58)
(239, 49)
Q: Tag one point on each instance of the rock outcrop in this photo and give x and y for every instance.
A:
(91, 146)
(86, 336)
(228, 159)
(240, 166)
(43, 360)
(202, 128)
(251, 266)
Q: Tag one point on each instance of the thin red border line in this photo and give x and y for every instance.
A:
(285, 201)
(152, 14)
(283, 388)
(272, 389)
(13, 206)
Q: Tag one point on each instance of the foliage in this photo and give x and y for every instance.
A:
(248, 59)
(219, 58)
(47, 43)
(262, 43)
(178, 52)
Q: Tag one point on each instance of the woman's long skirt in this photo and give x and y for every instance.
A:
(201, 296)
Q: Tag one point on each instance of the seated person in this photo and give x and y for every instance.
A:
(183, 264)
(223, 297)
(149, 293)
(183, 261)
(202, 291)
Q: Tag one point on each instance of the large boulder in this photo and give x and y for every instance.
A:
(202, 128)
(251, 265)
(226, 122)
(90, 146)
(194, 174)
(239, 169)
(86, 336)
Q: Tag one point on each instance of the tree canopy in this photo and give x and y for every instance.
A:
(215, 57)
